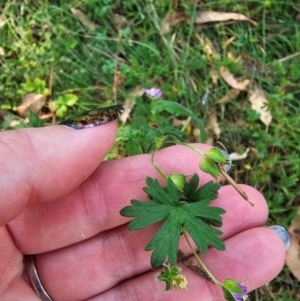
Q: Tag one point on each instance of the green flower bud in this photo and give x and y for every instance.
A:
(217, 156)
(207, 165)
(172, 277)
(178, 179)
(234, 290)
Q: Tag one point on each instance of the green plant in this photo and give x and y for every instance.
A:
(34, 121)
(35, 86)
(184, 208)
(44, 40)
(62, 103)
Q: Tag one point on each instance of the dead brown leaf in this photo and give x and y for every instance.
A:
(3, 113)
(213, 16)
(17, 121)
(214, 75)
(292, 256)
(232, 82)
(258, 100)
(179, 122)
(208, 46)
(33, 101)
(119, 21)
(237, 156)
(229, 41)
(209, 141)
(197, 137)
(83, 19)
(172, 19)
(232, 57)
(118, 79)
(130, 102)
(212, 124)
(228, 96)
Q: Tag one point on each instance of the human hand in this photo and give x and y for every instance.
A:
(59, 203)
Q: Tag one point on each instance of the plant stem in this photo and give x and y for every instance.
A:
(186, 124)
(201, 153)
(235, 185)
(157, 168)
(201, 262)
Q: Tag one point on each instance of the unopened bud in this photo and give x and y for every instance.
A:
(178, 179)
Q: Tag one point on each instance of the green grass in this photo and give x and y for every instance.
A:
(45, 40)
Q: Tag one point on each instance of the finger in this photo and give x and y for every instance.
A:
(41, 165)
(12, 287)
(95, 205)
(120, 254)
(256, 253)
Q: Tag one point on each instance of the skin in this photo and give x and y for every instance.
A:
(59, 202)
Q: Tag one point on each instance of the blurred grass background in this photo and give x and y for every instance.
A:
(79, 55)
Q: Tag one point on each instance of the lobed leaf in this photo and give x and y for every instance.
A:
(165, 241)
(145, 213)
(202, 234)
(159, 194)
(208, 191)
(191, 186)
(188, 210)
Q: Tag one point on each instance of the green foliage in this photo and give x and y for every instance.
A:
(34, 121)
(147, 138)
(44, 39)
(178, 109)
(208, 190)
(36, 86)
(178, 213)
(62, 103)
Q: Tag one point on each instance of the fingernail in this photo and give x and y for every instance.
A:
(94, 117)
(68, 126)
(283, 234)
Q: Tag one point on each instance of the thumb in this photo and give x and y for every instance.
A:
(41, 165)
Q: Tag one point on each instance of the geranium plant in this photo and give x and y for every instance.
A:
(185, 208)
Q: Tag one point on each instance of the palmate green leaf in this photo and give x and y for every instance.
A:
(191, 186)
(159, 194)
(195, 194)
(145, 213)
(167, 204)
(34, 120)
(208, 190)
(166, 240)
(203, 235)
